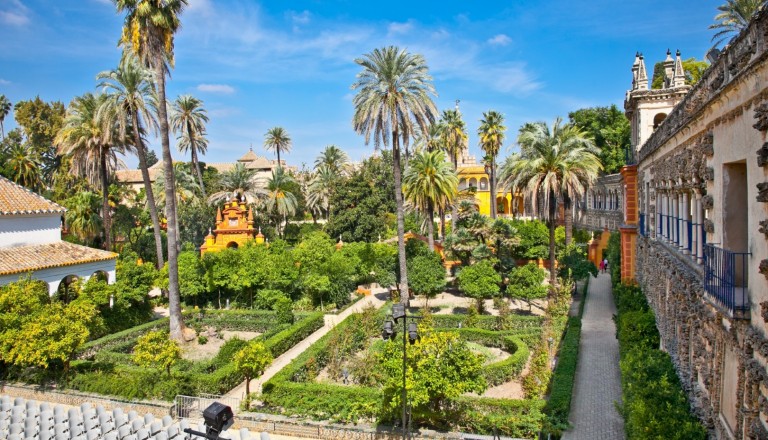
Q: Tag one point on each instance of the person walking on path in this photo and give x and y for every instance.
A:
(602, 265)
(597, 389)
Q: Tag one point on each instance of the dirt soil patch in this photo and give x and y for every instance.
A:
(193, 351)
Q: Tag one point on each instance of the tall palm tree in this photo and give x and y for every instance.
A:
(733, 17)
(238, 181)
(454, 140)
(553, 163)
(392, 103)
(491, 134)
(276, 140)
(430, 182)
(5, 108)
(320, 189)
(82, 216)
(148, 32)
(188, 118)
(332, 157)
(24, 167)
(279, 198)
(89, 143)
(129, 90)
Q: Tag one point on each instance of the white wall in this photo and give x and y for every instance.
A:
(55, 275)
(26, 230)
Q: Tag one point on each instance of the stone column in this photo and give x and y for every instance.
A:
(699, 212)
(686, 219)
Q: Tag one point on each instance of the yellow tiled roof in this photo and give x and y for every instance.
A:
(16, 199)
(24, 259)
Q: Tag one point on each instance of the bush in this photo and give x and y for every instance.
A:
(479, 281)
(563, 378)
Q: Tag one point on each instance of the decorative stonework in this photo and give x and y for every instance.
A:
(709, 226)
(763, 268)
(764, 228)
(761, 115)
(707, 144)
(707, 202)
(709, 174)
(762, 155)
(764, 314)
(762, 192)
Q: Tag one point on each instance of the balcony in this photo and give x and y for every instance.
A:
(726, 278)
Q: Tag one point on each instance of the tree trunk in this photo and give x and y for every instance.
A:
(148, 190)
(455, 206)
(105, 200)
(400, 219)
(277, 149)
(196, 164)
(442, 224)
(568, 212)
(552, 217)
(174, 299)
(431, 227)
(247, 386)
(494, 208)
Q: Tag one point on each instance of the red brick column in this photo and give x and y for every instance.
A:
(629, 228)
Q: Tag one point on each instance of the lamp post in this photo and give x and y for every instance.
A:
(410, 334)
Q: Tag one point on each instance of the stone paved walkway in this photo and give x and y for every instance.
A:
(377, 299)
(598, 384)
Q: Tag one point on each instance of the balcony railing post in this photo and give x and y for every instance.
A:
(725, 271)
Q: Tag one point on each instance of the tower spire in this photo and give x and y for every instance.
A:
(678, 78)
(635, 67)
(642, 75)
(669, 69)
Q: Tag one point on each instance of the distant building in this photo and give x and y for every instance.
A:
(262, 166)
(234, 228)
(473, 175)
(30, 243)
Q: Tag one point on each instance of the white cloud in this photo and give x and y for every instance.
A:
(198, 6)
(302, 17)
(14, 14)
(400, 28)
(216, 88)
(500, 40)
(4, 82)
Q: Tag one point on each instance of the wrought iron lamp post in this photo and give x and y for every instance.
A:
(410, 334)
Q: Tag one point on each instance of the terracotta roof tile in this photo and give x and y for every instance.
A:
(16, 199)
(24, 259)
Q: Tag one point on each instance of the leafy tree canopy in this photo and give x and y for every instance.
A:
(156, 350)
(479, 280)
(426, 275)
(610, 130)
(525, 283)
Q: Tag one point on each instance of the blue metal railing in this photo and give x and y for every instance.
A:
(688, 234)
(642, 225)
(726, 277)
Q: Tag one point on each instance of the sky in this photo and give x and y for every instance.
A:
(290, 63)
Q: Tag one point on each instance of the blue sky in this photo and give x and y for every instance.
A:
(258, 64)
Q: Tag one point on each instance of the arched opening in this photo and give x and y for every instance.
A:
(232, 245)
(67, 290)
(483, 184)
(502, 205)
(658, 119)
(473, 182)
(462, 184)
(100, 275)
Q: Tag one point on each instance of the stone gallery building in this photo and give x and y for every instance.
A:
(694, 227)
(31, 245)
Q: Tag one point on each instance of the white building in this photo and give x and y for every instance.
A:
(30, 242)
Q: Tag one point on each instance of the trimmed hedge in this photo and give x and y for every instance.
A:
(284, 340)
(116, 341)
(487, 322)
(561, 388)
(515, 418)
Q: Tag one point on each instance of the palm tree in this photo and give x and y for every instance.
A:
(491, 134)
(320, 189)
(553, 163)
(733, 17)
(90, 144)
(334, 158)
(23, 164)
(393, 102)
(238, 181)
(188, 118)
(277, 140)
(279, 198)
(129, 90)
(5, 108)
(186, 187)
(148, 32)
(82, 216)
(454, 140)
(430, 182)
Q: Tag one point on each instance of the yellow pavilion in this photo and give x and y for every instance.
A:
(234, 228)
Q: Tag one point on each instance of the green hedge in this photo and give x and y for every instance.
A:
(486, 322)
(515, 418)
(499, 372)
(561, 388)
(284, 340)
(121, 338)
(654, 403)
(323, 401)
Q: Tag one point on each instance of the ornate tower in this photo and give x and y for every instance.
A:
(234, 227)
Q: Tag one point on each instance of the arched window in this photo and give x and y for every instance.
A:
(658, 119)
(483, 184)
(67, 291)
(462, 184)
(473, 182)
(232, 245)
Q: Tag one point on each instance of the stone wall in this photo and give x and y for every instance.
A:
(699, 336)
